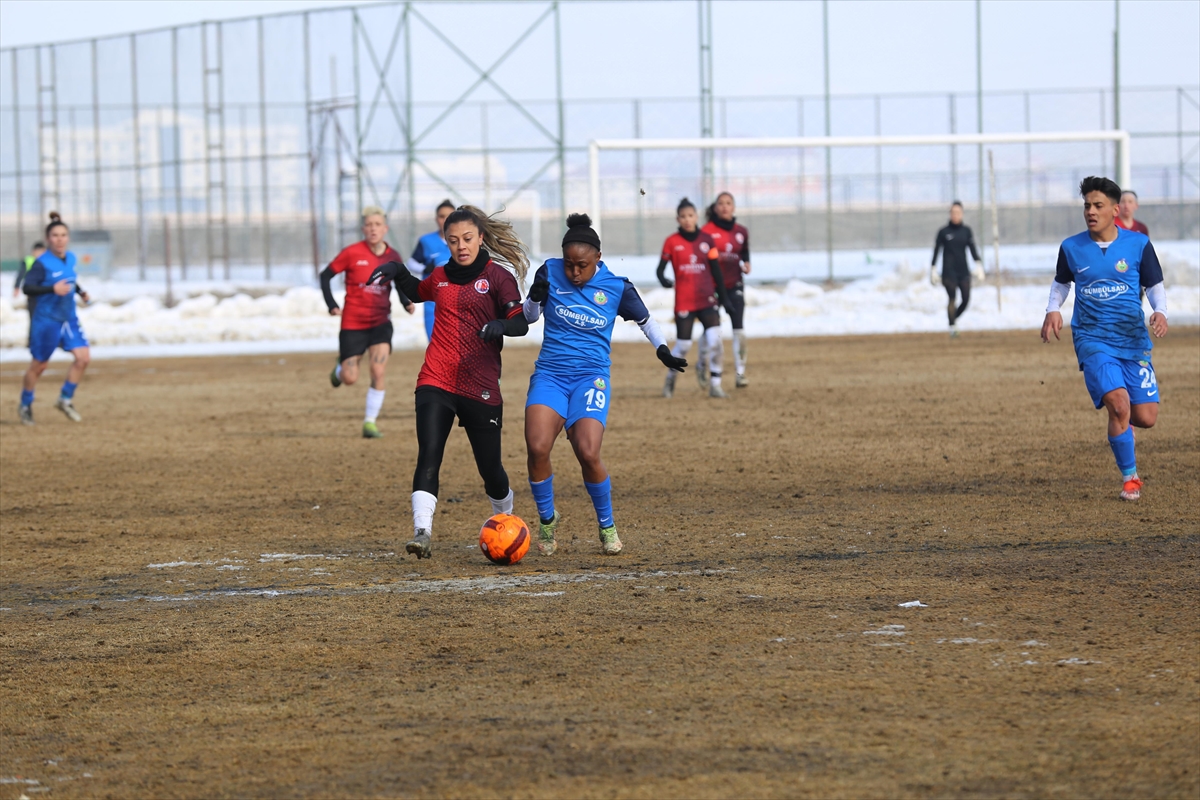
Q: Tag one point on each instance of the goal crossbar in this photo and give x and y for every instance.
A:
(1121, 138)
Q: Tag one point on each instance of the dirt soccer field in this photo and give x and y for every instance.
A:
(204, 593)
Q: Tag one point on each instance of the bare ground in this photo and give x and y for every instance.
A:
(204, 593)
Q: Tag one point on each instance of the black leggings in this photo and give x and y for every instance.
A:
(434, 421)
(963, 285)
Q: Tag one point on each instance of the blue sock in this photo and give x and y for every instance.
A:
(1122, 447)
(602, 500)
(27, 397)
(543, 495)
(68, 390)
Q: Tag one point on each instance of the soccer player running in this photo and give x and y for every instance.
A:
(1126, 210)
(732, 241)
(366, 319)
(1109, 265)
(52, 282)
(699, 287)
(580, 300)
(479, 304)
(430, 253)
(953, 241)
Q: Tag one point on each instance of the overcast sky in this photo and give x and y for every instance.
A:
(761, 48)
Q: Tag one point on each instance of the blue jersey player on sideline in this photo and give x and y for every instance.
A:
(52, 282)
(1110, 266)
(430, 253)
(580, 300)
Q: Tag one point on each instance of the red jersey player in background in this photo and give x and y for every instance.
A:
(1126, 209)
(478, 303)
(699, 286)
(366, 319)
(733, 244)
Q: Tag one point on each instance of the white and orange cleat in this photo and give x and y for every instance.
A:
(1132, 490)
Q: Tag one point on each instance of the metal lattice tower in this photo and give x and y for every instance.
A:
(47, 116)
(214, 147)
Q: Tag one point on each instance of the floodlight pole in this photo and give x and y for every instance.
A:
(704, 11)
(979, 93)
(828, 150)
(1117, 78)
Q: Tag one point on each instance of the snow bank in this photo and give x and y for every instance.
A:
(897, 298)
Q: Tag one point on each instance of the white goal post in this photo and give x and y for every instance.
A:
(797, 142)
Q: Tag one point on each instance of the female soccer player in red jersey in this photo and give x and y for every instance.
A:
(698, 288)
(478, 303)
(733, 244)
(366, 327)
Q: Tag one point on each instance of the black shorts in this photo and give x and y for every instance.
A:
(472, 414)
(737, 299)
(684, 323)
(956, 282)
(355, 343)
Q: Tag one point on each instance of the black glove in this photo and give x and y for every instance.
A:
(539, 291)
(492, 330)
(387, 272)
(666, 282)
(727, 304)
(664, 355)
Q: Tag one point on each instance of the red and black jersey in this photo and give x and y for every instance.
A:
(694, 288)
(366, 306)
(733, 245)
(457, 360)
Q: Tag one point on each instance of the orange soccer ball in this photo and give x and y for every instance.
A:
(504, 539)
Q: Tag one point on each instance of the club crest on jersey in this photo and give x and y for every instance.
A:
(600, 383)
(1122, 265)
(1144, 363)
(600, 298)
(482, 287)
(1104, 290)
(486, 394)
(740, 238)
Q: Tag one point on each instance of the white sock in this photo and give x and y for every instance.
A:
(338, 372)
(716, 353)
(739, 352)
(702, 354)
(374, 403)
(681, 348)
(504, 505)
(423, 506)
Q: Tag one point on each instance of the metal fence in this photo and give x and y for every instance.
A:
(256, 141)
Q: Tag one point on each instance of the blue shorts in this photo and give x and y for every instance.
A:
(573, 397)
(46, 336)
(1103, 373)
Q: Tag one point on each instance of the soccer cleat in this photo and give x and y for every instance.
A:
(64, 405)
(1132, 490)
(702, 373)
(547, 545)
(740, 381)
(953, 331)
(371, 431)
(669, 385)
(421, 545)
(26, 414)
(334, 379)
(610, 543)
(716, 391)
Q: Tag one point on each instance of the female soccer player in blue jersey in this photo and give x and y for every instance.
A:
(580, 300)
(51, 281)
(1110, 266)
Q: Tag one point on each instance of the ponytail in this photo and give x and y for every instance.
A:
(55, 221)
(498, 237)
